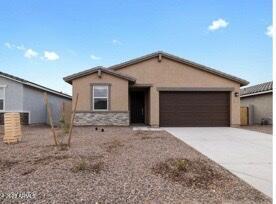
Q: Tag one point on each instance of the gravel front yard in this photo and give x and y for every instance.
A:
(116, 166)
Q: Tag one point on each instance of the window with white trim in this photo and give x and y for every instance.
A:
(2, 98)
(100, 98)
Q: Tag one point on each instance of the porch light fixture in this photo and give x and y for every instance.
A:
(237, 94)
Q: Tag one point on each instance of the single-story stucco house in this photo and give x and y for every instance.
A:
(27, 98)
(258, 99)
(158, 89)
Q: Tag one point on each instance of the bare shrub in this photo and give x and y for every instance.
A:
(63, 147)
(113, 145)
(190, 173)
(84, 165)
(97, 167)
(28, 171)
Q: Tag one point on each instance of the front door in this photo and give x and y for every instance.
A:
(137, 107)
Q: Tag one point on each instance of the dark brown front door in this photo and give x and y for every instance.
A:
(194, 109)
(137, 107)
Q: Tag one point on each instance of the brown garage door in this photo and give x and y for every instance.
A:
(194, 109)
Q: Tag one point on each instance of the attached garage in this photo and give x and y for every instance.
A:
(194, 108)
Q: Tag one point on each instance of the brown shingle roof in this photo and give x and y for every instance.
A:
(257, 89)
(112, 69)
(181, 60)
(95, 69)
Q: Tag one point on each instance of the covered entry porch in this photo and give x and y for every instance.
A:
(139, 105)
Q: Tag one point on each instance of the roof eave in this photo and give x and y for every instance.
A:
(242, 82)
(70, 78)
(37, 86)
(256, 93)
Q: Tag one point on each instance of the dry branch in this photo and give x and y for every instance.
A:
(72, 120)
(50, 117)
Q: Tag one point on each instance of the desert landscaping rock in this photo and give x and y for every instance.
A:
(114, 166)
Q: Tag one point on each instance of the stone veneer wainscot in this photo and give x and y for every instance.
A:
(101, 118)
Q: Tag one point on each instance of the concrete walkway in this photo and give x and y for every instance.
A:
(247, 154)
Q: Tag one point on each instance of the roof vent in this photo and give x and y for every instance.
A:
(99, 73)
(159, 57)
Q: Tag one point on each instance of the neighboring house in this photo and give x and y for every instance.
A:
(158, 89)
(19, 95)
(259, 100)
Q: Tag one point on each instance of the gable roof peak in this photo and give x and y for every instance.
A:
(242, 82)
(113, 68)
(93, 70)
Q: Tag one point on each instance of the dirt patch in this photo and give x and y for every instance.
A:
(46, 159)
(31, 165)
(141, 133)
(63, 147)
(190, 173)
(147, 135)
(151, 138)
(113, 146)
(28, 171)
(6, 164)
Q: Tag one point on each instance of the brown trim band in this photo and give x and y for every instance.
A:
(141, 85)
(194, 89)
(100, 84)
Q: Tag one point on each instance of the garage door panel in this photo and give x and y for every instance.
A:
(195, 113)
(189, 123)
(198, 102)
(196, 118)
(194, 109)
(197, 97)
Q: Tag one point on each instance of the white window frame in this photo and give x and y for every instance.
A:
(102, 97)
(4, 99)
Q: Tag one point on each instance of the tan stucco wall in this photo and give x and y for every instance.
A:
(118, 92)
(168, 73)
(262, 106)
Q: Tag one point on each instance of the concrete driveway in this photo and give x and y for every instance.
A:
(247, 154)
